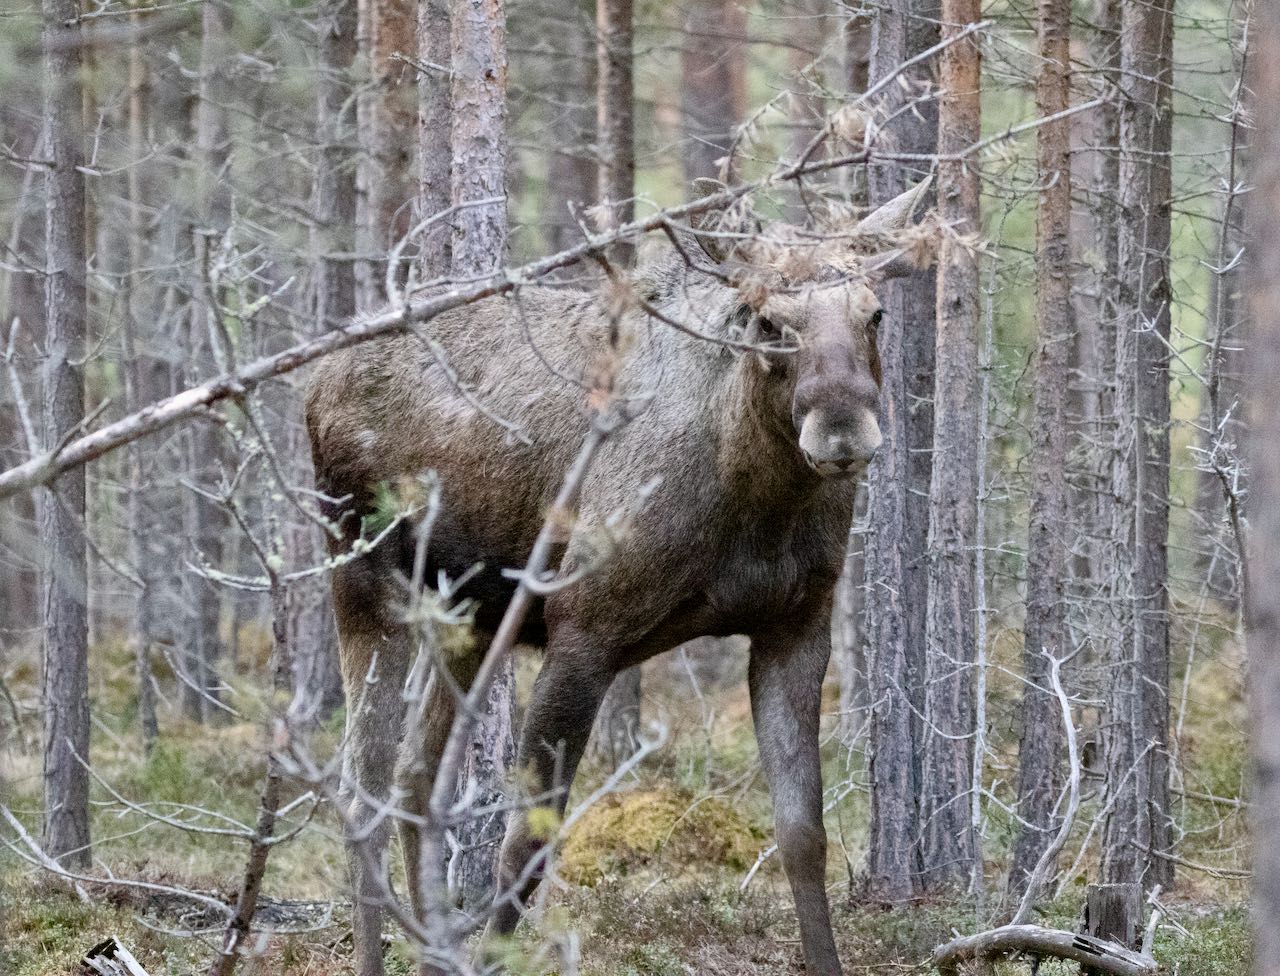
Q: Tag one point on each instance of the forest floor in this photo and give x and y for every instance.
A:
(650, 883)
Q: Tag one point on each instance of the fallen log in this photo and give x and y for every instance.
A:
(1036, 940)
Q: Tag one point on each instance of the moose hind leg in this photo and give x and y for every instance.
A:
(786, 697)
(563, 708)
(375, 654)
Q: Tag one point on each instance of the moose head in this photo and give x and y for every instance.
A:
(807, 306)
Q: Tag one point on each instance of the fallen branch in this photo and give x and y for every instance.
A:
(110, 958)
(1036, 940)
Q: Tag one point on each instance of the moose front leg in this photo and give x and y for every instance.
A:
(786, 696)
(566, 696)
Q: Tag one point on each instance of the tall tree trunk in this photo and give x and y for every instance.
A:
(615, 118)
(948, 839)
(618, 725)
(1042, 733)
(479, 138)
(1262, 597)
(899, 476)
(62, 505)
(435, 152)
(572, 169)
(206, 523)
(140, 372)
(1137, 832)
(385, 111)
(713, 85)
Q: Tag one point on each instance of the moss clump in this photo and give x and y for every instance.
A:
(628, 831)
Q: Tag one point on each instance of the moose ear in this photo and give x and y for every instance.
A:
(895, 214)
(721, 234)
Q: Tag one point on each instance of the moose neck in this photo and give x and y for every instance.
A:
(758, 457)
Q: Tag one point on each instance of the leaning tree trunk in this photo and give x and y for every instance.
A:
(1262, 596)
(948, 840)
(1042, 733)
(62, 504)
(479, 139)
(713, 82)
(1137, 831)
(617, 728)
(899, 476)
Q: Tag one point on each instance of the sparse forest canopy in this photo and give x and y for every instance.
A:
(725, 486)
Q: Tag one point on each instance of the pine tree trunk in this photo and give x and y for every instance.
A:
(615, 124)
(62, 505)
(1137, 830)
(713, 85)
(140, 371)
(1262, 599)
(435, 153)
(948, 840)
(1042, 734)
(385, 113)
(572, 169)
(479, 139)
(899, 478)
(205, 522)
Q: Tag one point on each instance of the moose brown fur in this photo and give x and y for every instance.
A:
(751, 455)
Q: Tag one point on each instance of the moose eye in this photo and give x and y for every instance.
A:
(767, 327)
(874, 321)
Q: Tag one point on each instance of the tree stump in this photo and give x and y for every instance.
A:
(1113, 912)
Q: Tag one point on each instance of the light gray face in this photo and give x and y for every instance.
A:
(836, 398)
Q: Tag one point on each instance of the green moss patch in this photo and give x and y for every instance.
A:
(628, 831)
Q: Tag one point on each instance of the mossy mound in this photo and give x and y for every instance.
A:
(628, 831)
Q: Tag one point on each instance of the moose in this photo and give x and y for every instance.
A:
(750, 427)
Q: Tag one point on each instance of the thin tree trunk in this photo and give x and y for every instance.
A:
(479, 139)
(206, 524)
(615, 122)
(1262, 596)
(139, 372)
(1137, 831)
(713, 85)
(1040, 745)
(948, 839)
(899, 478)
(62, 505)
(617, 727)
(435, 152)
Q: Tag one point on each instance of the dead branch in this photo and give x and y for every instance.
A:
(1038, 941)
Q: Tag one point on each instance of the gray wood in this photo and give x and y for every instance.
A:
(1035, 940)
(62, 507)
(897, 510)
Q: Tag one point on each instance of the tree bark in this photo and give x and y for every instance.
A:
(205, 522)
(1040, 745)
(479, 139)
(385, 112)
(62, 505)
(899, 476)
(140, 389)
(435, 152)
(573, 157)
(948, 844)
(1262, 596)
(713, 85)
(1137, 831)
(615, 121)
